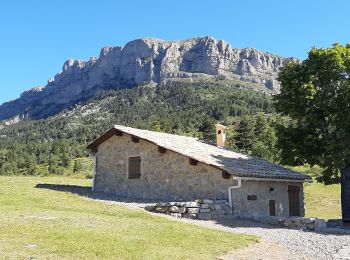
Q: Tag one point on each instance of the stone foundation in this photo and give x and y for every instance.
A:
(305, 224)
(204, 209)
(335, 223)
(207, 209)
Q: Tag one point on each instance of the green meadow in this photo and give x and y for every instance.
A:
(42, 223)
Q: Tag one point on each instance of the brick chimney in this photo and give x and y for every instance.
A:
(221, 135)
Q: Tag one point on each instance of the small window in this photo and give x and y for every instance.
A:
(134, 171)
(252, 197)
(272, 207)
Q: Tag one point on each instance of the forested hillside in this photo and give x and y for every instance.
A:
(51, 146)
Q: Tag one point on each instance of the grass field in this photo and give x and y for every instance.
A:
(40, 223)
(322, 201)
(47, 224)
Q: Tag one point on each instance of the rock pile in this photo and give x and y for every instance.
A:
(204, 209)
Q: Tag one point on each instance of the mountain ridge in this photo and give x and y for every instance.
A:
(146, 60)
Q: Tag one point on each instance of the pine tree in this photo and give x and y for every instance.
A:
(78, 166)
(207, 128)
(261, 126)
(245, 134)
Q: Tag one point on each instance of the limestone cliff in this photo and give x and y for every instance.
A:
(146, 60)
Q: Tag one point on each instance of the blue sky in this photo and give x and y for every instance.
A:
(38, 36)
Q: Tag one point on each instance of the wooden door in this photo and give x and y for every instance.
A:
(272, 207)
(294, 200)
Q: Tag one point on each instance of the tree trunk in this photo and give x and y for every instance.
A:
(345, 194)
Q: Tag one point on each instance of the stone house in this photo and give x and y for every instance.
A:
(158, 166)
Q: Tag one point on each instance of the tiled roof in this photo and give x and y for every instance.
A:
(237, 164)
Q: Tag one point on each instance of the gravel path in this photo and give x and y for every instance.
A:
(343, 254)
(264, 250)
(309, 245)
(299, 244)
(277, 242)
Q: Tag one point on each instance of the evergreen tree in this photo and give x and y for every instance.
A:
(265, 143)
(78, 166)
(245, 137)
(207, 128)
(261, 126)
(265, 146)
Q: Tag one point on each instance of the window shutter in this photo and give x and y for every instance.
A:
(134, 167)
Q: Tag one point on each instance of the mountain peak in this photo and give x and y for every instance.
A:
(147, 60)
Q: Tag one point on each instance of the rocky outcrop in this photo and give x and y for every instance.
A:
(146, 60)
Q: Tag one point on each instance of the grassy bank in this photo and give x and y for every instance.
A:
(322, 201)
(47, 224)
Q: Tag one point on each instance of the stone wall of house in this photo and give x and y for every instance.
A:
(252, 199)
(164, 176)
(169, 177)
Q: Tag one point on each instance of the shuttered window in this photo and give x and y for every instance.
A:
(134, 170)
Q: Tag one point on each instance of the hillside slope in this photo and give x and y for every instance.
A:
(178, 107)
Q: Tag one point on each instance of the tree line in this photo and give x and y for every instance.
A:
(52, 145)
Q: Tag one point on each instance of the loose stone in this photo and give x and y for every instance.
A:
(193, 210)
(174, 209)
(176, 215)
(204, 216)
(192, 205)
(205, 206)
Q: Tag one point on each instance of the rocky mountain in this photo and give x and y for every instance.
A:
(144, 61)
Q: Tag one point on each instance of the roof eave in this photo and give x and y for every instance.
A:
(94, 144)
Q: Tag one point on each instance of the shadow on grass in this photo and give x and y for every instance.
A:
(87, 192)
(75, 189)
